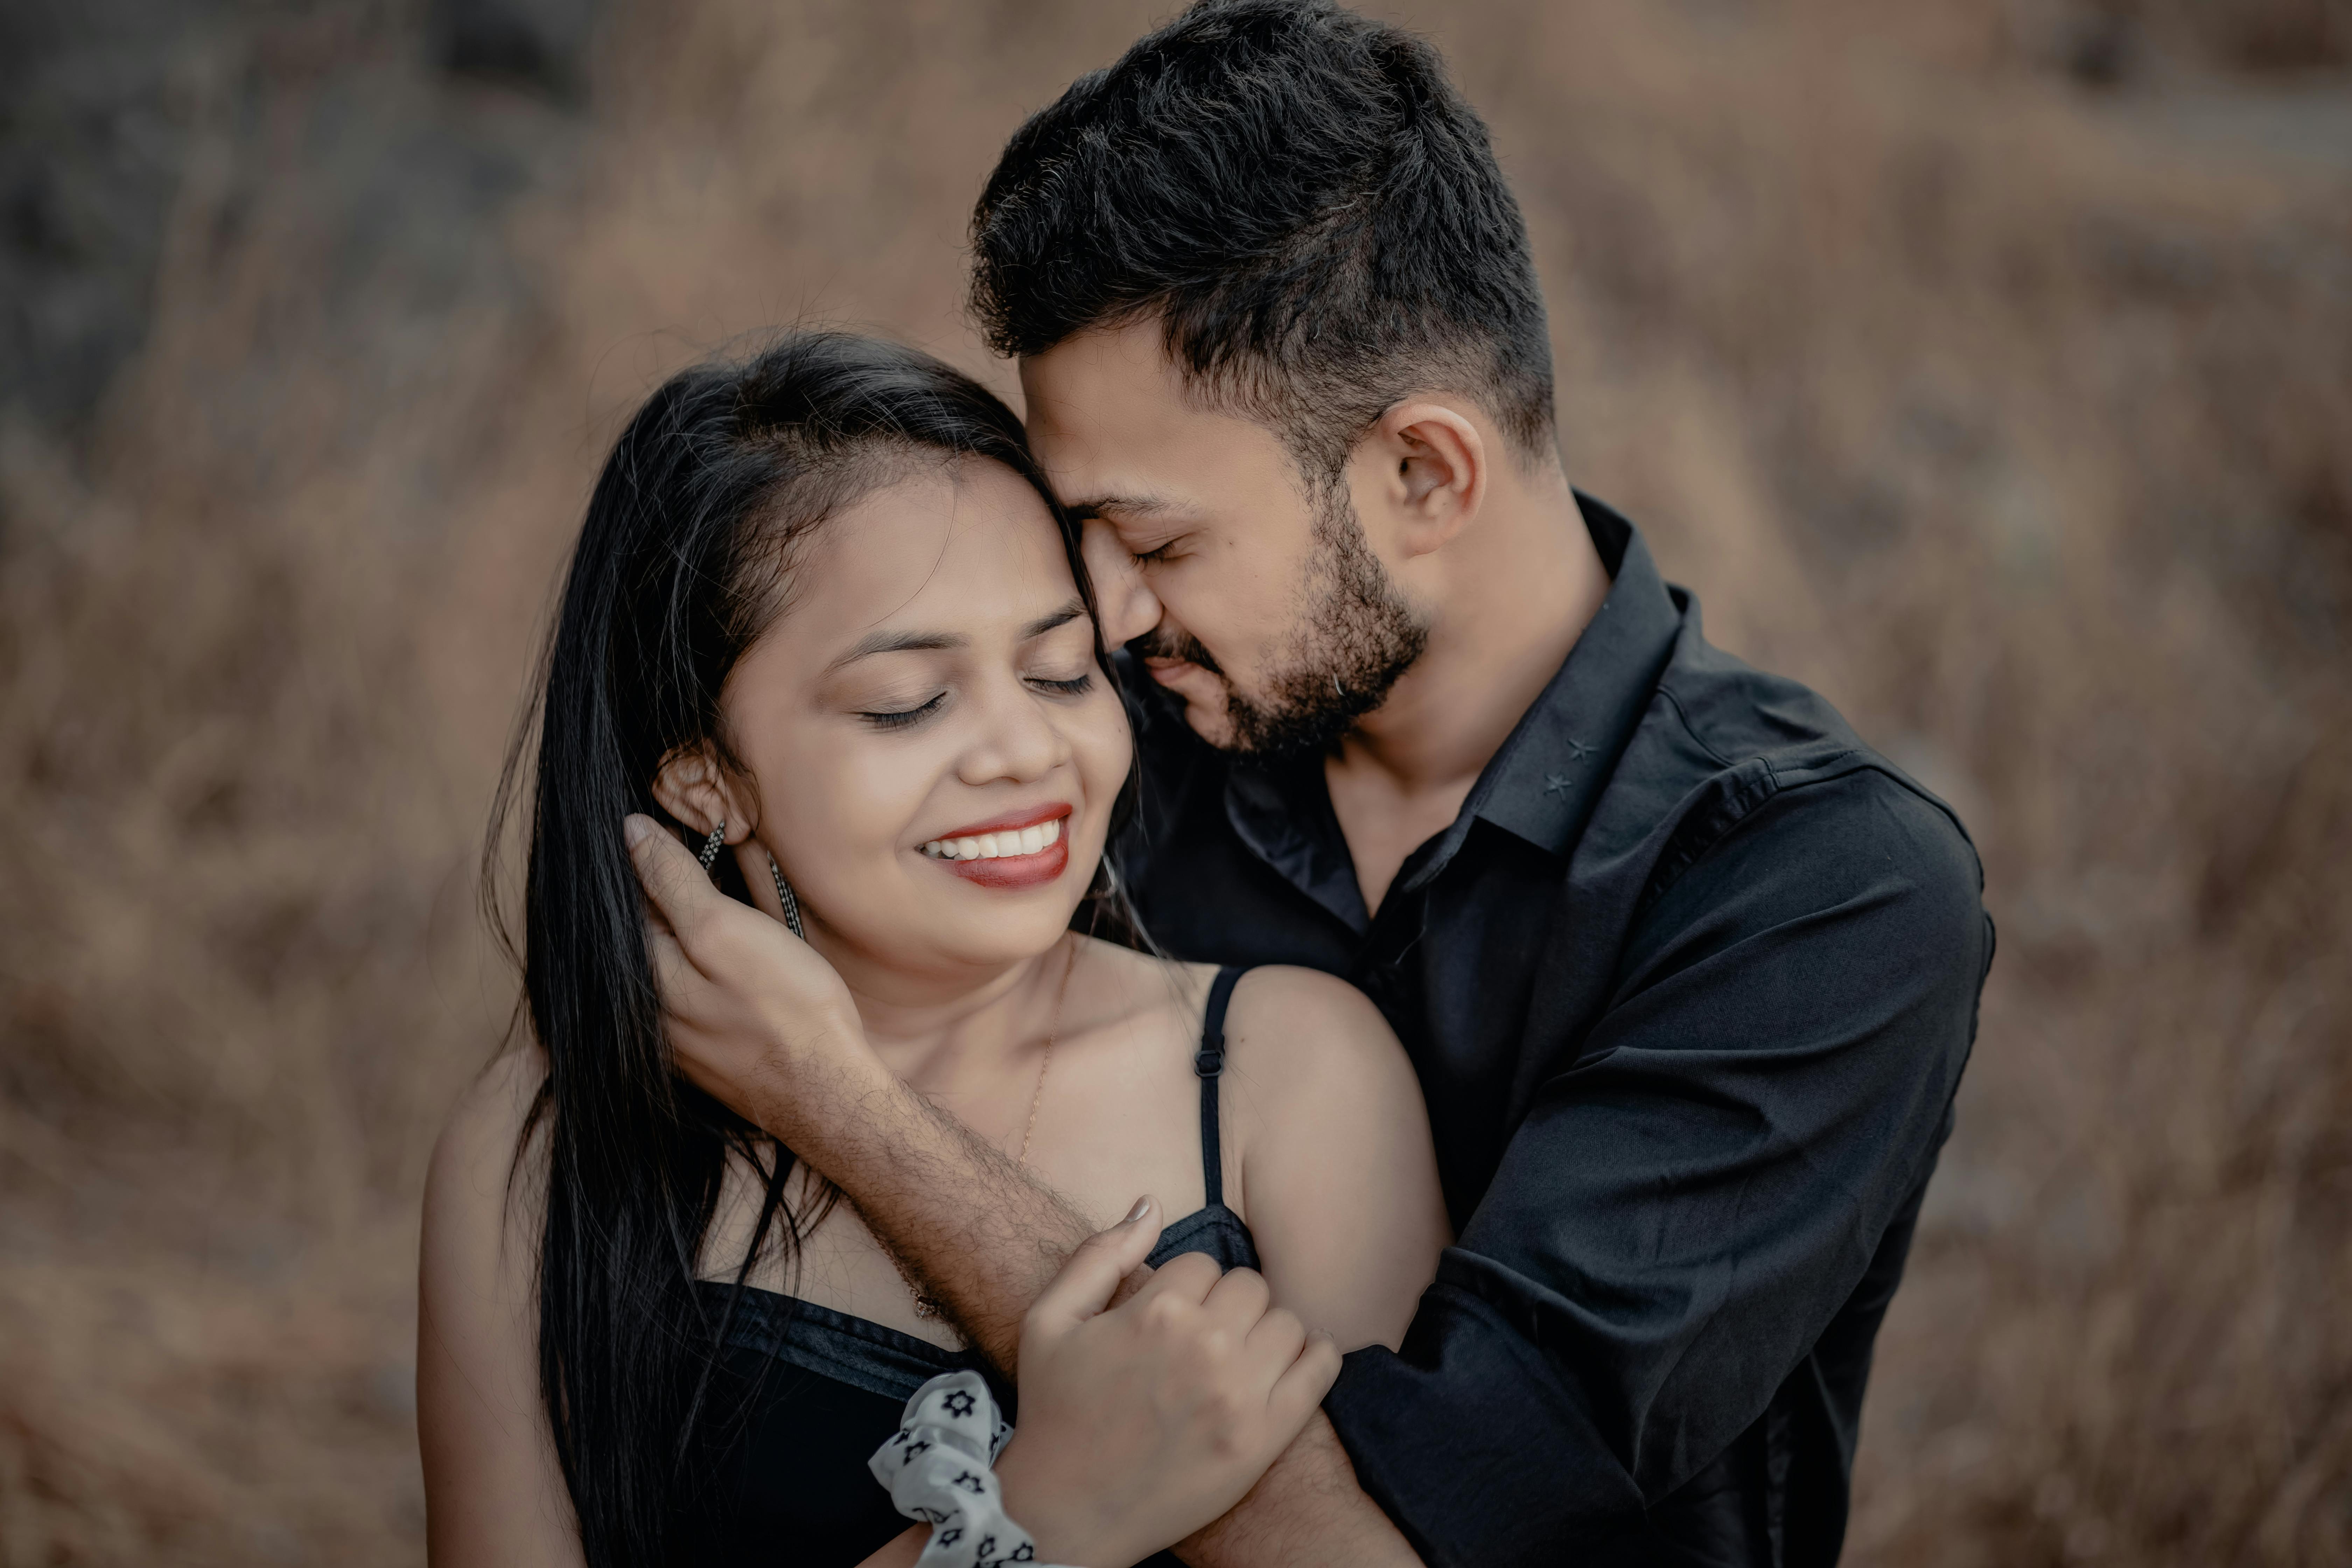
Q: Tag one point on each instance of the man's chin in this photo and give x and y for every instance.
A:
(1232, 724)
(1212, 721)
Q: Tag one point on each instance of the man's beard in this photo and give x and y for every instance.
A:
(1353, 636)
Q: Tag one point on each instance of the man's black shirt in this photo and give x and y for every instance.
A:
(1689, 984)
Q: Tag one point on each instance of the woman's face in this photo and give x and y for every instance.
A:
(933, 749)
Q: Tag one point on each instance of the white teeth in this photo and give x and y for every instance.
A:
(997, 845)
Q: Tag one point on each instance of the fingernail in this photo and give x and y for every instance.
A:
(1142, 1206)
(634, 827)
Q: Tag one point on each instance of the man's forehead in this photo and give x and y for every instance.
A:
(1128, 362)
(1118, 438)
(1105, 460)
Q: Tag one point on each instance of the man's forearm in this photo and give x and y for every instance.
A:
(976, 1235)
(1307, 1510)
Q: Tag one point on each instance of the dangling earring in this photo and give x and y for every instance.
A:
(711, 846)
(784, 897)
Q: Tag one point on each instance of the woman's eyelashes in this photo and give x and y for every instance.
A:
(900, 718)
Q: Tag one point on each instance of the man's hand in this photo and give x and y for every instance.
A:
(1139, 1424)
(1124, 601)
(751, 1009)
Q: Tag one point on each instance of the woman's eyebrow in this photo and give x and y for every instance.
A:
(873, 643)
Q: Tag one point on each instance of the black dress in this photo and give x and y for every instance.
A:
(788, 1483)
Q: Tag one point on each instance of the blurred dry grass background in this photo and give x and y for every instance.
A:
(1986, 363)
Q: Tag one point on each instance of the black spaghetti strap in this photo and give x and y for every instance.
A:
(1207, 1064)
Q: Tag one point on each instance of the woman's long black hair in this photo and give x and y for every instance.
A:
(685, 558)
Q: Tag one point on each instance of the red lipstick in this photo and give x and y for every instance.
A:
(989, 852)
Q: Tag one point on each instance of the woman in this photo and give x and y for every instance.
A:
(826, 620)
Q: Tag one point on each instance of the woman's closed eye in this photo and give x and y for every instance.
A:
(900, 718)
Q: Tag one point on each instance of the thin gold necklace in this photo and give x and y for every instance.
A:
(1037, 1094)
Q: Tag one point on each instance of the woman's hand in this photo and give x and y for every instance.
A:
(1142, 1423)
(752, 1010)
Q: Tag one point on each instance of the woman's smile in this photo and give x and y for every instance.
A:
(1018, 849)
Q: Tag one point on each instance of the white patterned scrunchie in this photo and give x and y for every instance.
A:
(937, 1467)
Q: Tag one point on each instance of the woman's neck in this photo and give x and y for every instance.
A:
(937, 1033)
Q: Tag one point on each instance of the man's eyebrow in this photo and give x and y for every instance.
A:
(873, 643)
(1061, 617)
(1113, 507)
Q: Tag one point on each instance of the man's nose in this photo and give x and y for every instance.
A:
(1127, 606)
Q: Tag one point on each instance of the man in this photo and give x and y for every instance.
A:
(1688, 974)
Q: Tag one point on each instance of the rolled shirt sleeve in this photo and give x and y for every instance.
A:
(1700, 1189)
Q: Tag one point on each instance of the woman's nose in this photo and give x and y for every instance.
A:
(1018, 740)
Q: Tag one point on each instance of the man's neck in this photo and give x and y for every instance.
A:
(1510, 607)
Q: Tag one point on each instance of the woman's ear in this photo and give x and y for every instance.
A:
(692, 787)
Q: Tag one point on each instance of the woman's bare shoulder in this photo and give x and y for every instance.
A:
(472, 1180)
(1282, 1019)
(1337, 1170)
(496, 1488)
(489, 1115)
(1289, 1021)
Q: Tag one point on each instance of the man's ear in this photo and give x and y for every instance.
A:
(692, 787)
(1430, 469)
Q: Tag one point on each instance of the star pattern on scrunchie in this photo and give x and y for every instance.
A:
(936, 1467)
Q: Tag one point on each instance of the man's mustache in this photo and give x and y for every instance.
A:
(1169, 642)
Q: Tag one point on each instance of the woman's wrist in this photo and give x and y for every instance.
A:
(1063, 1520)
(939, 1468)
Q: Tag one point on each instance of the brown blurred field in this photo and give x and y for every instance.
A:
(1987, 363)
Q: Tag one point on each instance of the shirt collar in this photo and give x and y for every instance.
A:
(1539, 786)
(1542, 782)
(1282, 810)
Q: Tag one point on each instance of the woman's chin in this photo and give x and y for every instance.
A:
(975, 915)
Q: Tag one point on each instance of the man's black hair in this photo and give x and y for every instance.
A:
(1307, 205)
